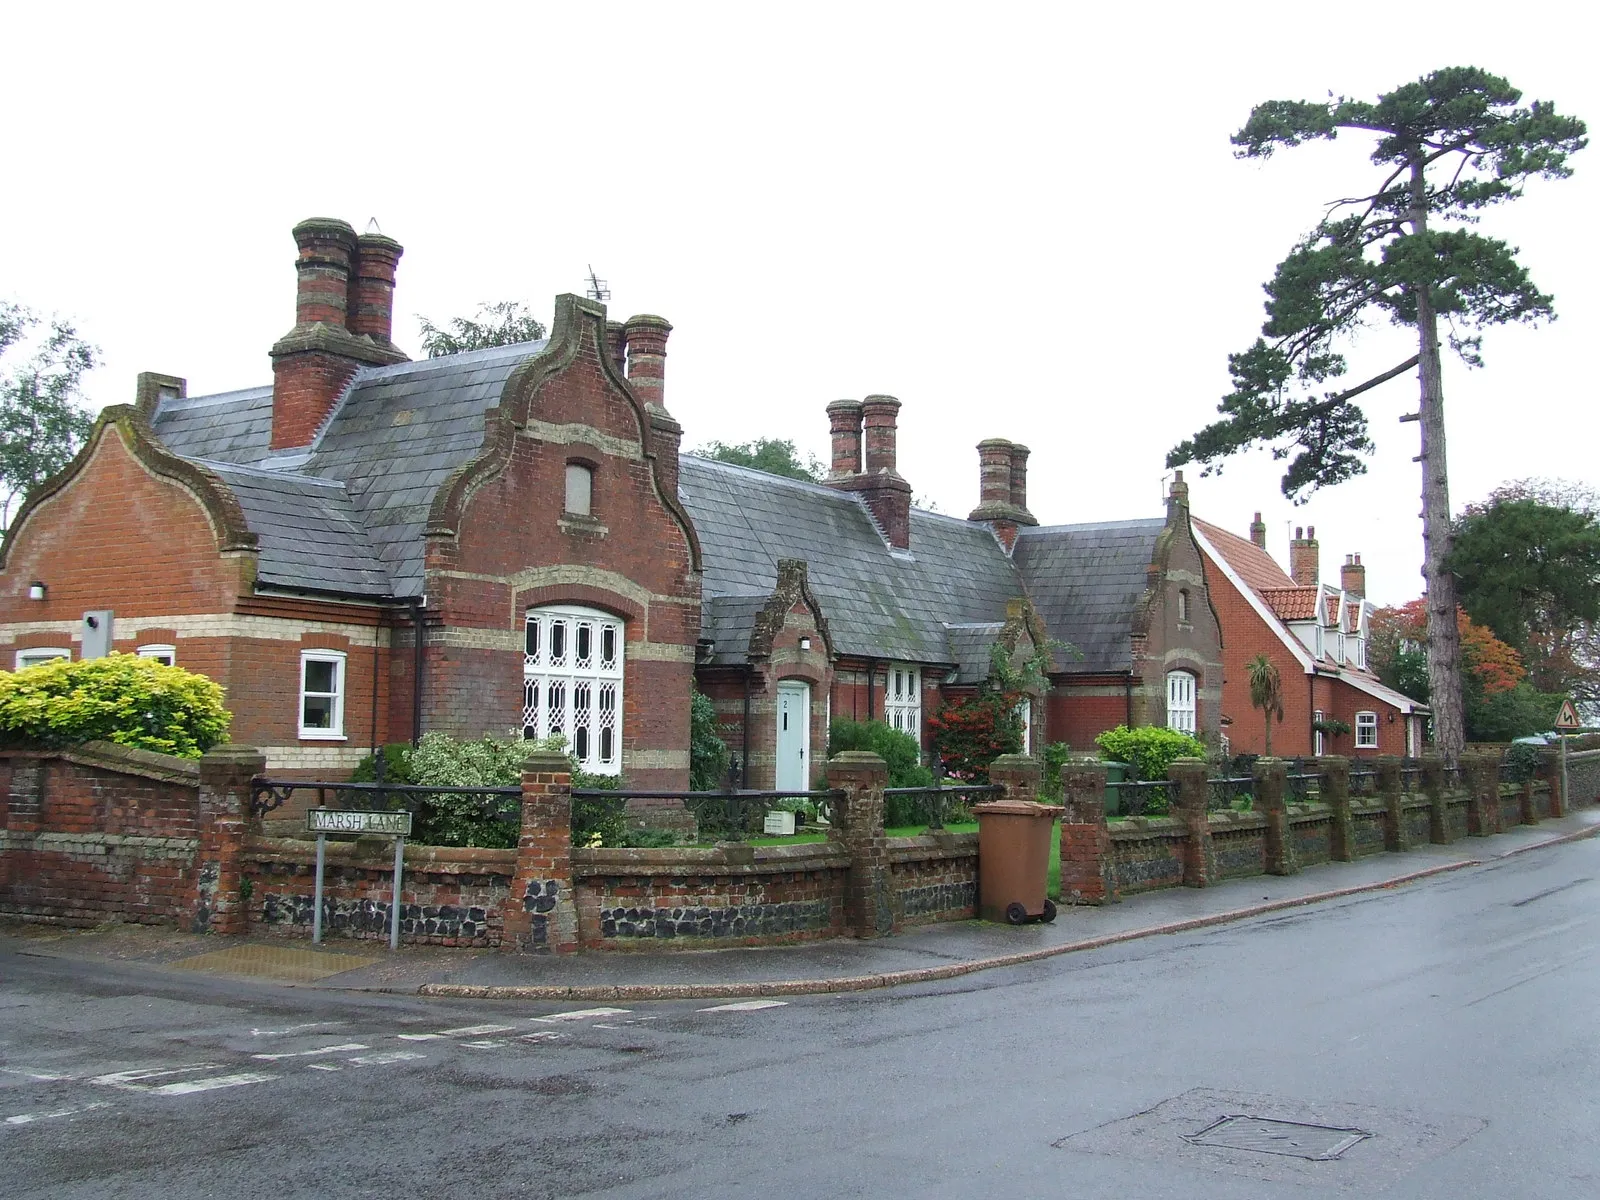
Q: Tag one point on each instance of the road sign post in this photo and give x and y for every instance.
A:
(1566, 722)
(323, 821)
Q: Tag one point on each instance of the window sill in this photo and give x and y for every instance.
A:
(322, 735)
(571, 523)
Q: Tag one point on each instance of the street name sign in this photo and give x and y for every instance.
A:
(334, 820)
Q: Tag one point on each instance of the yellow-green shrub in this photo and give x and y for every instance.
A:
(120, 698)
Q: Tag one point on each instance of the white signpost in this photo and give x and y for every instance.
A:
(1566, 722)
(323, 821)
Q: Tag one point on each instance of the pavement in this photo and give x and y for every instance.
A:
(924, 954)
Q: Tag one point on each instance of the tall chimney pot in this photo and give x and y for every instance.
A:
(647, 357)
(1304, 568)
(844, 430)
(1258, 532)
(372, 287)
(1353, 577)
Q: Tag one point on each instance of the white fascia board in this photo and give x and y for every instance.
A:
(1388, 695)
(1290, 642)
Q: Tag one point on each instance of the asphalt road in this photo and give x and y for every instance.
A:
(1442, 1032)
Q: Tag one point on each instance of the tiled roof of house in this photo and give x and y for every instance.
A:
(1085, 581)
(1248, 560)
(877, 602)
(397, 435)
(1291, 603)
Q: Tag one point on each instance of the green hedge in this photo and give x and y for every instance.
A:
(121, 698)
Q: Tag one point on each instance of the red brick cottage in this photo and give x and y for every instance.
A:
(1316, 635)
(509, 540)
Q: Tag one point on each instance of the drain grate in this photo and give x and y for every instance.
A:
(1266, 1136)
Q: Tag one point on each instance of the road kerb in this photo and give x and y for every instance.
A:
(858, 983)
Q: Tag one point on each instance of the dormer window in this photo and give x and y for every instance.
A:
(580, 489)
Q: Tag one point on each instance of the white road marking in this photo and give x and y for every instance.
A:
(746, 1006)
(30, 1118)
(292, 1029)
(486, 1044)
(312, 1053)
(542, 1035)
(583, 1014)
(389, 1056)
(129, 1081)
(419, 1037)
(475, 1030)
(189, 1086)
(324, 1066)
(36, 1076)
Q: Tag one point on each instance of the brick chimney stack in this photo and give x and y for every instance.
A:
(314, 362)
(844, 428)
(1353, 577)
(1002, 489)
(1304, 568)
(1177, 495)
(372, 313)
(872, 454)
(1258, 532)
(645, 342)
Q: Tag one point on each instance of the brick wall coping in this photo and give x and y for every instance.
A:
(444, 860)
(729, 859)
(1133, 829)
(1223, 821)
(103, 843)
(932, 847)
(109, 756)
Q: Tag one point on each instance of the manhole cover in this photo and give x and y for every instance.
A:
(1266, 1136)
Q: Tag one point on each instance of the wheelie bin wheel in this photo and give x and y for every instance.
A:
(1016, 914)
(1049, 912)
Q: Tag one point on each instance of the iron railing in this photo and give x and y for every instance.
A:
(1364, 782)
(729, 816)
(1410, 775)
(931, 805)
(1136, 798)
(1298, 786)
(1452, 777)
(268, 795)
(1225, 792)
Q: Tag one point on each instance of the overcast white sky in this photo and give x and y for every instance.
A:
(1022, 221)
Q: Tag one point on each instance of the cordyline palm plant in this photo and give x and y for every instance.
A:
(1266, 692)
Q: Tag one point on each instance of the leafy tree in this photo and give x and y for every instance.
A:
(1530, 570)
(503, 324)
(766, 454)
(898, 749)
(41, 422)
(1266, 692)
(1448, 146)
(1500, 702)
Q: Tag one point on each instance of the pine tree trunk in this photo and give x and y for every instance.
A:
(1444, 636)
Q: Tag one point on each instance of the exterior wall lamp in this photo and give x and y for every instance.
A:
(805, 643)
(36, 590)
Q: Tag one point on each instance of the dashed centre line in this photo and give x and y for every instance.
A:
(387, 1056)
(583, 1014)
(746, 1006)
(132, 1081)
(189, 1086)
(30, 1118)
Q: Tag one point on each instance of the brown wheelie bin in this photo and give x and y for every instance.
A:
(1014, 860)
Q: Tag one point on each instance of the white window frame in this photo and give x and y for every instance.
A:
(33, 656)
(163, 653)
(575, 695)
(1317, 718)
(1183, 606)
(902, 699)
(584, 472)
(1182, 708)
(335, 730)
(1366, 723)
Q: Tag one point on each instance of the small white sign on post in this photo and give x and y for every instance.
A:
(323, 821)
(778, 824)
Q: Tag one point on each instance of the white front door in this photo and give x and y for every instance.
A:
(794, 737)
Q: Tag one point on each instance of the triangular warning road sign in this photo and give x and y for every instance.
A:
(1568, 717)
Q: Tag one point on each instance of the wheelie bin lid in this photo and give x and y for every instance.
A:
(1018, 808)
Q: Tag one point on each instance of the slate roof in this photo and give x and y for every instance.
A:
(1085, 581)
(973, 647)
(397, 435)
(877, 603)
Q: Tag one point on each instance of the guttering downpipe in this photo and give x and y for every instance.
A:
(872, 679)
(418, 659)
(1127, 698)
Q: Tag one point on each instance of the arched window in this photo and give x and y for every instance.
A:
(572, 683)
(580, 489)
(1180, 701)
